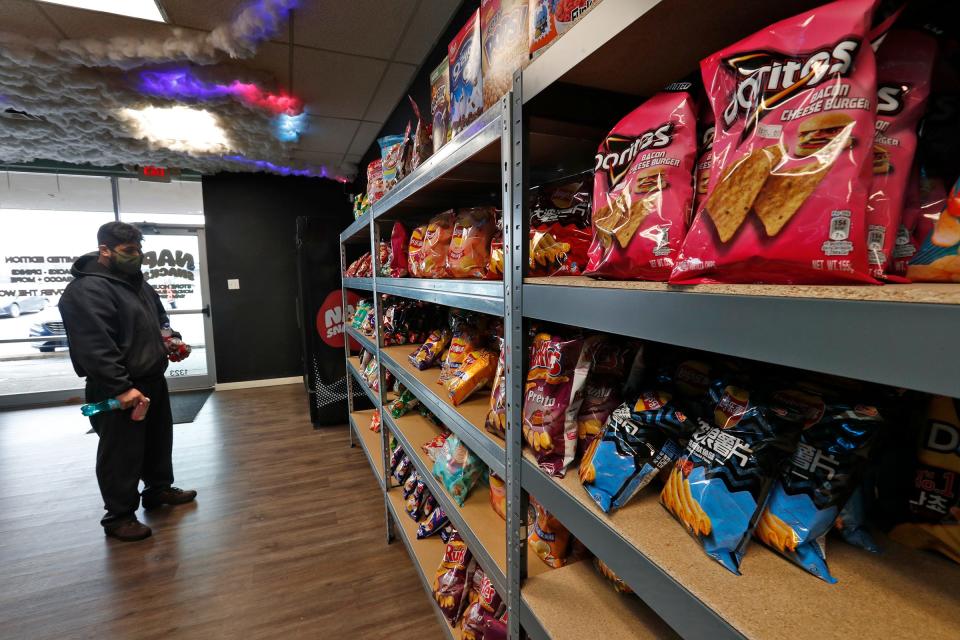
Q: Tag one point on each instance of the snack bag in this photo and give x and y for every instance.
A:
(375, 188)
(632, 449)
(402, 404)
(719, 486)
(642, 189)
(494, 629)
(495, 265)
(934, 506)
(601, 389)
(428, 354)
(550, 19)
(433, 524)
(449, 585)
(552, 400)
(549, 539)
(851, 523)
(485, 608)
(434, 446)
(466, 80)
(415, 500)
(415, 251)
(464, 337)
(475, 373)
(706, 128)
(469, 253)
(432, 256)
(404, 467)
(503, 25)
(496, 421)
(375, 422)
(458, 468)
(904, 66)
(794, 106)
(560, 228)
(397, 263)
(618, 585)
(498, 495)
(440, 104)
(410, 484)
(938, 259)
(822, 475)
(391, 154)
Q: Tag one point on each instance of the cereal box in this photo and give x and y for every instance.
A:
(466, 83)
(440, 104)
(550, 19)
(504, 31)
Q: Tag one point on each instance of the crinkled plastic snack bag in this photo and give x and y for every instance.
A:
(938, 259)
(469, 253)
(432, 257)
(560, 228)
(618, 585)
(496, 420)
(428, 354)
(476, 372)
(458, 468)
(549, 539)
(415, 251)
(449, 585)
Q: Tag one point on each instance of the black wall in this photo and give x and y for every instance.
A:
(250, 228)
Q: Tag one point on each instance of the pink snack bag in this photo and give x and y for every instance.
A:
(904, 66)
(794, 106)
(642, 190)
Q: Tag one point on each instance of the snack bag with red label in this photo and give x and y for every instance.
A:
(642, 190)
(415, 251)
(904, 66)
(560, 228)
(706, 129)
(496, 421)
(794, 106)
(397, 261)
(485, 608)
(469, 253)
(464, 338)
(823, 473)
(432, 256)
(449, 585)
(474, 373)
(549, 539)
(552, 400)
(375, 187)
(495, 266)
(934, 504)
(938, 259)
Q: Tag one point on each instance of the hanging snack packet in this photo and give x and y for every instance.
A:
(486, 607)
(469, 254)
(433, 524)
(719, 486)
(458, 468)
(934, 506)
(601, 390)
(822, 475)
(496, 421)
(432, 256)
(474, 373)
(794, 106)
(498, 495)
(415, 251)
(938, 259)
(428, 354)
(549, 539)
(449, 585)
(904, 66)
(642, 189)
(560, 228)
(552, 400)
(632, 449)
(618, 585)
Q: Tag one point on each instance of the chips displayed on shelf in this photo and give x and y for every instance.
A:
(478, 612)
(496, 420)
(560, 228)
(475, 372)
(428, 354)
(450, 582)
(549, 539)
(469, 252)
(458, 468)
(433, 524)
(498, 495)
(938, 259)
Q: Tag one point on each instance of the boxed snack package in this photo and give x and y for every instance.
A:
(794, 106)
(904, 66)
(469, 253)
(375, 188)
(938, 259)
(560, 228)
(550, 19)
(504, 30)
(440, 104)
(642, 189)
(466, 82)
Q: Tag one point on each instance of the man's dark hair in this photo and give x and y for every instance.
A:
(116, 233)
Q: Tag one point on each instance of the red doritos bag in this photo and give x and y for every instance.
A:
(904, 65)
(794, 109)
(642, 189)
(706, 129)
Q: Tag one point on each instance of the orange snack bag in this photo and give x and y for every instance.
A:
(475, 372)
(469, 253)
(498, 495)
(436, 243)
(549, 539)
(415, 250)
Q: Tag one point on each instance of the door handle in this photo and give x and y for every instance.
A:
(206, 310)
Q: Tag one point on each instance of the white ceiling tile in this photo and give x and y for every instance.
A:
(366, 135)
(431, 20)
(363, 27)
(317, 157)
(206, 15)
(334, 84)
(327, 134)
(24, 18)
(392, 89)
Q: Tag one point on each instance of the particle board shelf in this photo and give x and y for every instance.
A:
(426, 555)
(484, 531)
(484, 296)
(888, 595)
(370, 442)
(363, 340)
(363, 284)
(466, 420)
(353, 362)
(548, 596)
(842, 330)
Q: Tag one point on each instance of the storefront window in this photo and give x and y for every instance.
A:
(178, 202)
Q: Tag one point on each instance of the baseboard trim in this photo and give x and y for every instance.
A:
(251, 384)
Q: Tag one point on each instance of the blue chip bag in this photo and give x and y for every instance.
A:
(458, 468)
(823, 473)
(719, 485)
(632, 449)
(851, 523)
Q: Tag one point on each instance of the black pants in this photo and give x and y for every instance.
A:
(133, 451)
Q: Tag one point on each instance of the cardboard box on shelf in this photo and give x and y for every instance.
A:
(466, 82)
(440, 104)
(505, 34)
(550, 19)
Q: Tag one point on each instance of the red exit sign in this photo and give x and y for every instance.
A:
(154, 174)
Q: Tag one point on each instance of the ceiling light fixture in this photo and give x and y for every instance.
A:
(178, 128)
(143, 9)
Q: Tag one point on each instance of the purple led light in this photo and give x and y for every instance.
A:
(266, 165)
(182, 83)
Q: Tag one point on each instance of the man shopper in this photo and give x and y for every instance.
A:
(113, 319)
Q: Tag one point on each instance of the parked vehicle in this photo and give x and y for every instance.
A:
(14, 306)
(52, 327)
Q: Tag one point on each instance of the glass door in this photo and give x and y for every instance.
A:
(174, 263)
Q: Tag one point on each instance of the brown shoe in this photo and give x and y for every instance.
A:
(170, 495)
(128, 530)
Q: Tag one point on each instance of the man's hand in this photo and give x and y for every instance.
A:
(131, 398)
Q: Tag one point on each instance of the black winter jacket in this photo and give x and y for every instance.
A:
(113, 326)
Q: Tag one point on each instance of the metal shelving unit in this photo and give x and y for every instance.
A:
(549, 126)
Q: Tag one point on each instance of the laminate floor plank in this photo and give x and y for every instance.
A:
(286, 539)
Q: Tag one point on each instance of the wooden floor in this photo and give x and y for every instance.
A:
(286, 539)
